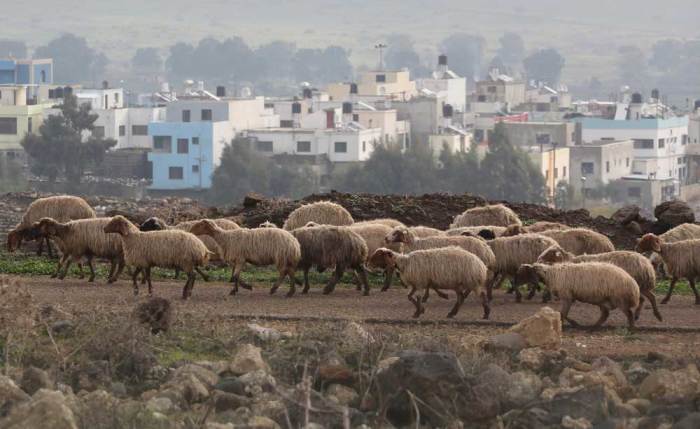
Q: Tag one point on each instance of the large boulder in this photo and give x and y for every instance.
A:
(248, 358)
(34, 379)
(671, 387)
(47, 409)
(543, 329)
(626, 214)
(674, 213)
(10, 395)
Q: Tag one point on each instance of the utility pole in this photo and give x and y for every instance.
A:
(380, 47)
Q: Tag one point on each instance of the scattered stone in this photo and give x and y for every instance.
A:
(642, 405)
(94, 375)
(356, 334)
(265, 334)
(258, 382)
(506, 342)
(543, 329)
(590, 402)
(636, 373)
(229, 401)
(626, 214)
(156, 313)
(580, 423)
(248, 358)
(10, 395)
(47, 409)
(62, 327)
(260, 422)
(654, 356)
(206, 376)
(336, 374)
(162, 404)
(691, 421)
(231, 385)
(671, 387)
(34, 379)
(342, 395)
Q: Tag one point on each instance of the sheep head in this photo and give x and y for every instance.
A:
(554, 255)
(119, 225)
(487, 234)
(382, 258)
(46, 226)
(267, 224)
(513, 230)
(14, 240)
(400, 234)
(204, 227)
(527, 274)
(649, 243)
(311, 224)
(153, 224)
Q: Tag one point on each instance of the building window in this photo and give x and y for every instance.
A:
(340, 147)
(556, 173)
(185, 116)
(122, 130)
(644, 144)
(8, 126)
(543, 138)
(684, 140)
(43, 76)
(634, 192)
(662, 143)
(195, 140)
(30, 127)
(286, 123)
(195, 169)
(206, 114)
(680, 161)
(491, 89)
(139, 130)
(116, 98)
(627, 162)
(381, 78)
(162, 144)
(546, 175)
(183, 146)
(263, 146)
(364, 146)
(98, 132)
(175, 173)
(355, 117)
(587, 168)
(607, 166)
(563, 173)
(304, 147)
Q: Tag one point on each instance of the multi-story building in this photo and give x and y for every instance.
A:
(387, 84)
(525, 134)
(596, 164)
(448, 84)
(554, 163)
(30, 72)
(500, 88)
(17, 118)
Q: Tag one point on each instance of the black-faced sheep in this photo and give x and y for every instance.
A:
(321, 212)
(448, 268)
(267, 224)
(62, 208)
(85, 238)
(633, 263)
(497, 214)
(487, 232)
(329, 246)
(605, 285)
(581, 241)
(682, 259)
(165, 249)
(259, 247)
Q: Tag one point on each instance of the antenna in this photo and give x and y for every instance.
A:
(380, 47)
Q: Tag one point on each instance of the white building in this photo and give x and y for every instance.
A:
(105, 98)
(128, 125)
(447, 83)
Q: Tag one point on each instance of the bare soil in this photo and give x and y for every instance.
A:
(676, 336)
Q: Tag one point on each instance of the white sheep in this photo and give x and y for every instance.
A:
(448, 268)
(321, 212)
(496, 214)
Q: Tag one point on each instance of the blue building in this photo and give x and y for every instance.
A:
(26, 72)
(185, 154)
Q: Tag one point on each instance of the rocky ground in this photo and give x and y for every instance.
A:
(159, 363)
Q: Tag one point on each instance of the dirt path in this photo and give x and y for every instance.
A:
(344, 303)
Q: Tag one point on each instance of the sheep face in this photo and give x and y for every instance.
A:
(487, 234)
(311, 224)
(527, 274)
(554, 255)
(118, 225)
(203, 227)
(46, 226)
(382, 258)
(152, 224)
(14, 240)
(649, 243)
(513, 230)
(398, 235)
(267, 224)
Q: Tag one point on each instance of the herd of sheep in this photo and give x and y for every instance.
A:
(483, 247)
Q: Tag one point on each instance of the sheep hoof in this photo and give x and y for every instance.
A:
(289, 294)
(273, 290)
(366, 293)
(91, 280)
(384, 289)
(450, 315)
(53, 276)
(327, 291)
(664, 301)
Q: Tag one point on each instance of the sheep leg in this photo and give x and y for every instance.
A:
(670, 290)
(419, 308)
(565, 308)
(120, 269)
(691, 282)
(189, 285)
(40, 250)
(388, 277)
(148, 279)
(546, 296)
(485, 305)
(204, 276)
(630, 318)
(426, 295)
(458, 304)
(441, 294)
(61, 261)
(339, 270)
(134, 277)
(49, 249)
(278, 282)
(292, 283)
(362, 275)
(65, 269)
(235, 278)
(112, 269)
(652, 299)
(306, 281)
(604, 314)
(92, 269)
(516, 289)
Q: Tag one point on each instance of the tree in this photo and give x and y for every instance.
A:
(545, 66)
(12, 48)
(667, 53)
(322, 65)
(147, 60)
(402, 53)
(275, 59)
(212, 60)
(74, 60)
(512, 49)
(59, 150)
(465, 52)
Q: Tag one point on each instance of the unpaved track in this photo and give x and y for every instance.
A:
(212, 300)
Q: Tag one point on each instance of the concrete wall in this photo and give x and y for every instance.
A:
(615, 156)
(526, 133)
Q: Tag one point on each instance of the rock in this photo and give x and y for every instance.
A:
(636, 373)
(260, 422)
(62, 327)
(525, 387)
(673, 213)
(336, 374)
(204, 375)
(356, 335)
(635, 228)
(642, 405)
(156, 313)
(580, 423)
(214, 425)
(229, 401)
(670, 387)
(161, 404)
(591, 403)
(252, 199)
(34, 379)
(655, 356)
(94, 375)
(532, 358)
(691, 421)
(272, 408)
(543, 329)
(231, 385)
(626, 214)
(10, 395)
(47, 409)
(257, 382)
(603, 372)
(118, 389)
(265, 334)
(342, 395)
(506, 342)
(217, 367)
(248, 358)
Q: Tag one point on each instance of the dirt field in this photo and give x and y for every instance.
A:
(676, 335)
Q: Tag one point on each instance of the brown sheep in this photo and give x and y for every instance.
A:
(321, 212)
(581, 241)
(496, 214)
